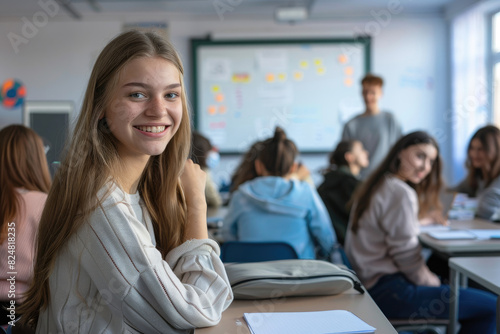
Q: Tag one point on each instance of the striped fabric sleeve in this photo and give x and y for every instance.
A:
(186, 290)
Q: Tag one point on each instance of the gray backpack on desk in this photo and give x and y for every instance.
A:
(287, 278)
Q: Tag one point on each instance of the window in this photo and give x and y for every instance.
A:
(495, 67)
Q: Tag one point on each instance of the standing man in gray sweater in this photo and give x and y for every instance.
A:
(377, 130)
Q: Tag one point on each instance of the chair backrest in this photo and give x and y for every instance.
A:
(243, 251)
(415, 326)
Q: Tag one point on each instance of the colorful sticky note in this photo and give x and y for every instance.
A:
(349, 70)
(304, 64)
(298, 75)
(348, 82)
(215, 88)
(241, 77)
(282, 76)
(318, 62)
(343, 59)
(222, 109)
(320, 70)
(270, 77)
(219, 97)
(212, 110)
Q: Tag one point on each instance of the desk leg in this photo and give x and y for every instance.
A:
(498, 314)
(464, 281)
(454, 294)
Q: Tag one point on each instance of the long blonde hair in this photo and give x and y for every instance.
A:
(22, 165)
(89, 163)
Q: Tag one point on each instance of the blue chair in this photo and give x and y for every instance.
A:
(243, 251)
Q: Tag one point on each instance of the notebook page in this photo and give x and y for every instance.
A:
(433, 228)
(452, 234)
(486, 234)
(322, 322)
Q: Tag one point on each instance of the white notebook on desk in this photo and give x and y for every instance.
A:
(321, 322)
(466, 234)
(452, 235)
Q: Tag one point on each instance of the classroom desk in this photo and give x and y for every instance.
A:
(363, 306)
(449, 248)
(483, 270)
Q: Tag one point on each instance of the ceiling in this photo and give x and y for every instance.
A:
(318, 9)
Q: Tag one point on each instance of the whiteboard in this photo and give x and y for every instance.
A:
(244, 89)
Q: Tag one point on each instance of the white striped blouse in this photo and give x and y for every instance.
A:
(110, 278)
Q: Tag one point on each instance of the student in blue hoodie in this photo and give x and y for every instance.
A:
(276, 207)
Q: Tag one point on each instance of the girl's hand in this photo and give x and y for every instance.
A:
(193, 181)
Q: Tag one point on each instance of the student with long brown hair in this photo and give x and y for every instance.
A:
(25, 182)
(274, 206)
(382, 239)
(483, 177)
(123, 244)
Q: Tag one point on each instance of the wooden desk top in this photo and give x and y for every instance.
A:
(363, 306)
(465, 247)
(483, 270)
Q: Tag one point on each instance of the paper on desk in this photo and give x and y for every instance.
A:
(433, 228)
(486, 234)
(452, 234)
(466, 234)
(321, 322)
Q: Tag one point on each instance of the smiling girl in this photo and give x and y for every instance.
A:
(382, 239)
(123, 244)
(483, 165)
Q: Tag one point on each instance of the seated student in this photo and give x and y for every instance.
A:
(25, 180)
(207, 157)
(483, 178)
(382, 240)
(123, 245)
(246, 169)
(340, 180)
(274, 207)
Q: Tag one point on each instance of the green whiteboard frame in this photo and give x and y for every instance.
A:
(196, 43)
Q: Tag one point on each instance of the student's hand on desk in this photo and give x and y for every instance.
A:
(434, 217)
(193, 181)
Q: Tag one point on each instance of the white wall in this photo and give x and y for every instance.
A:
(409, 52)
